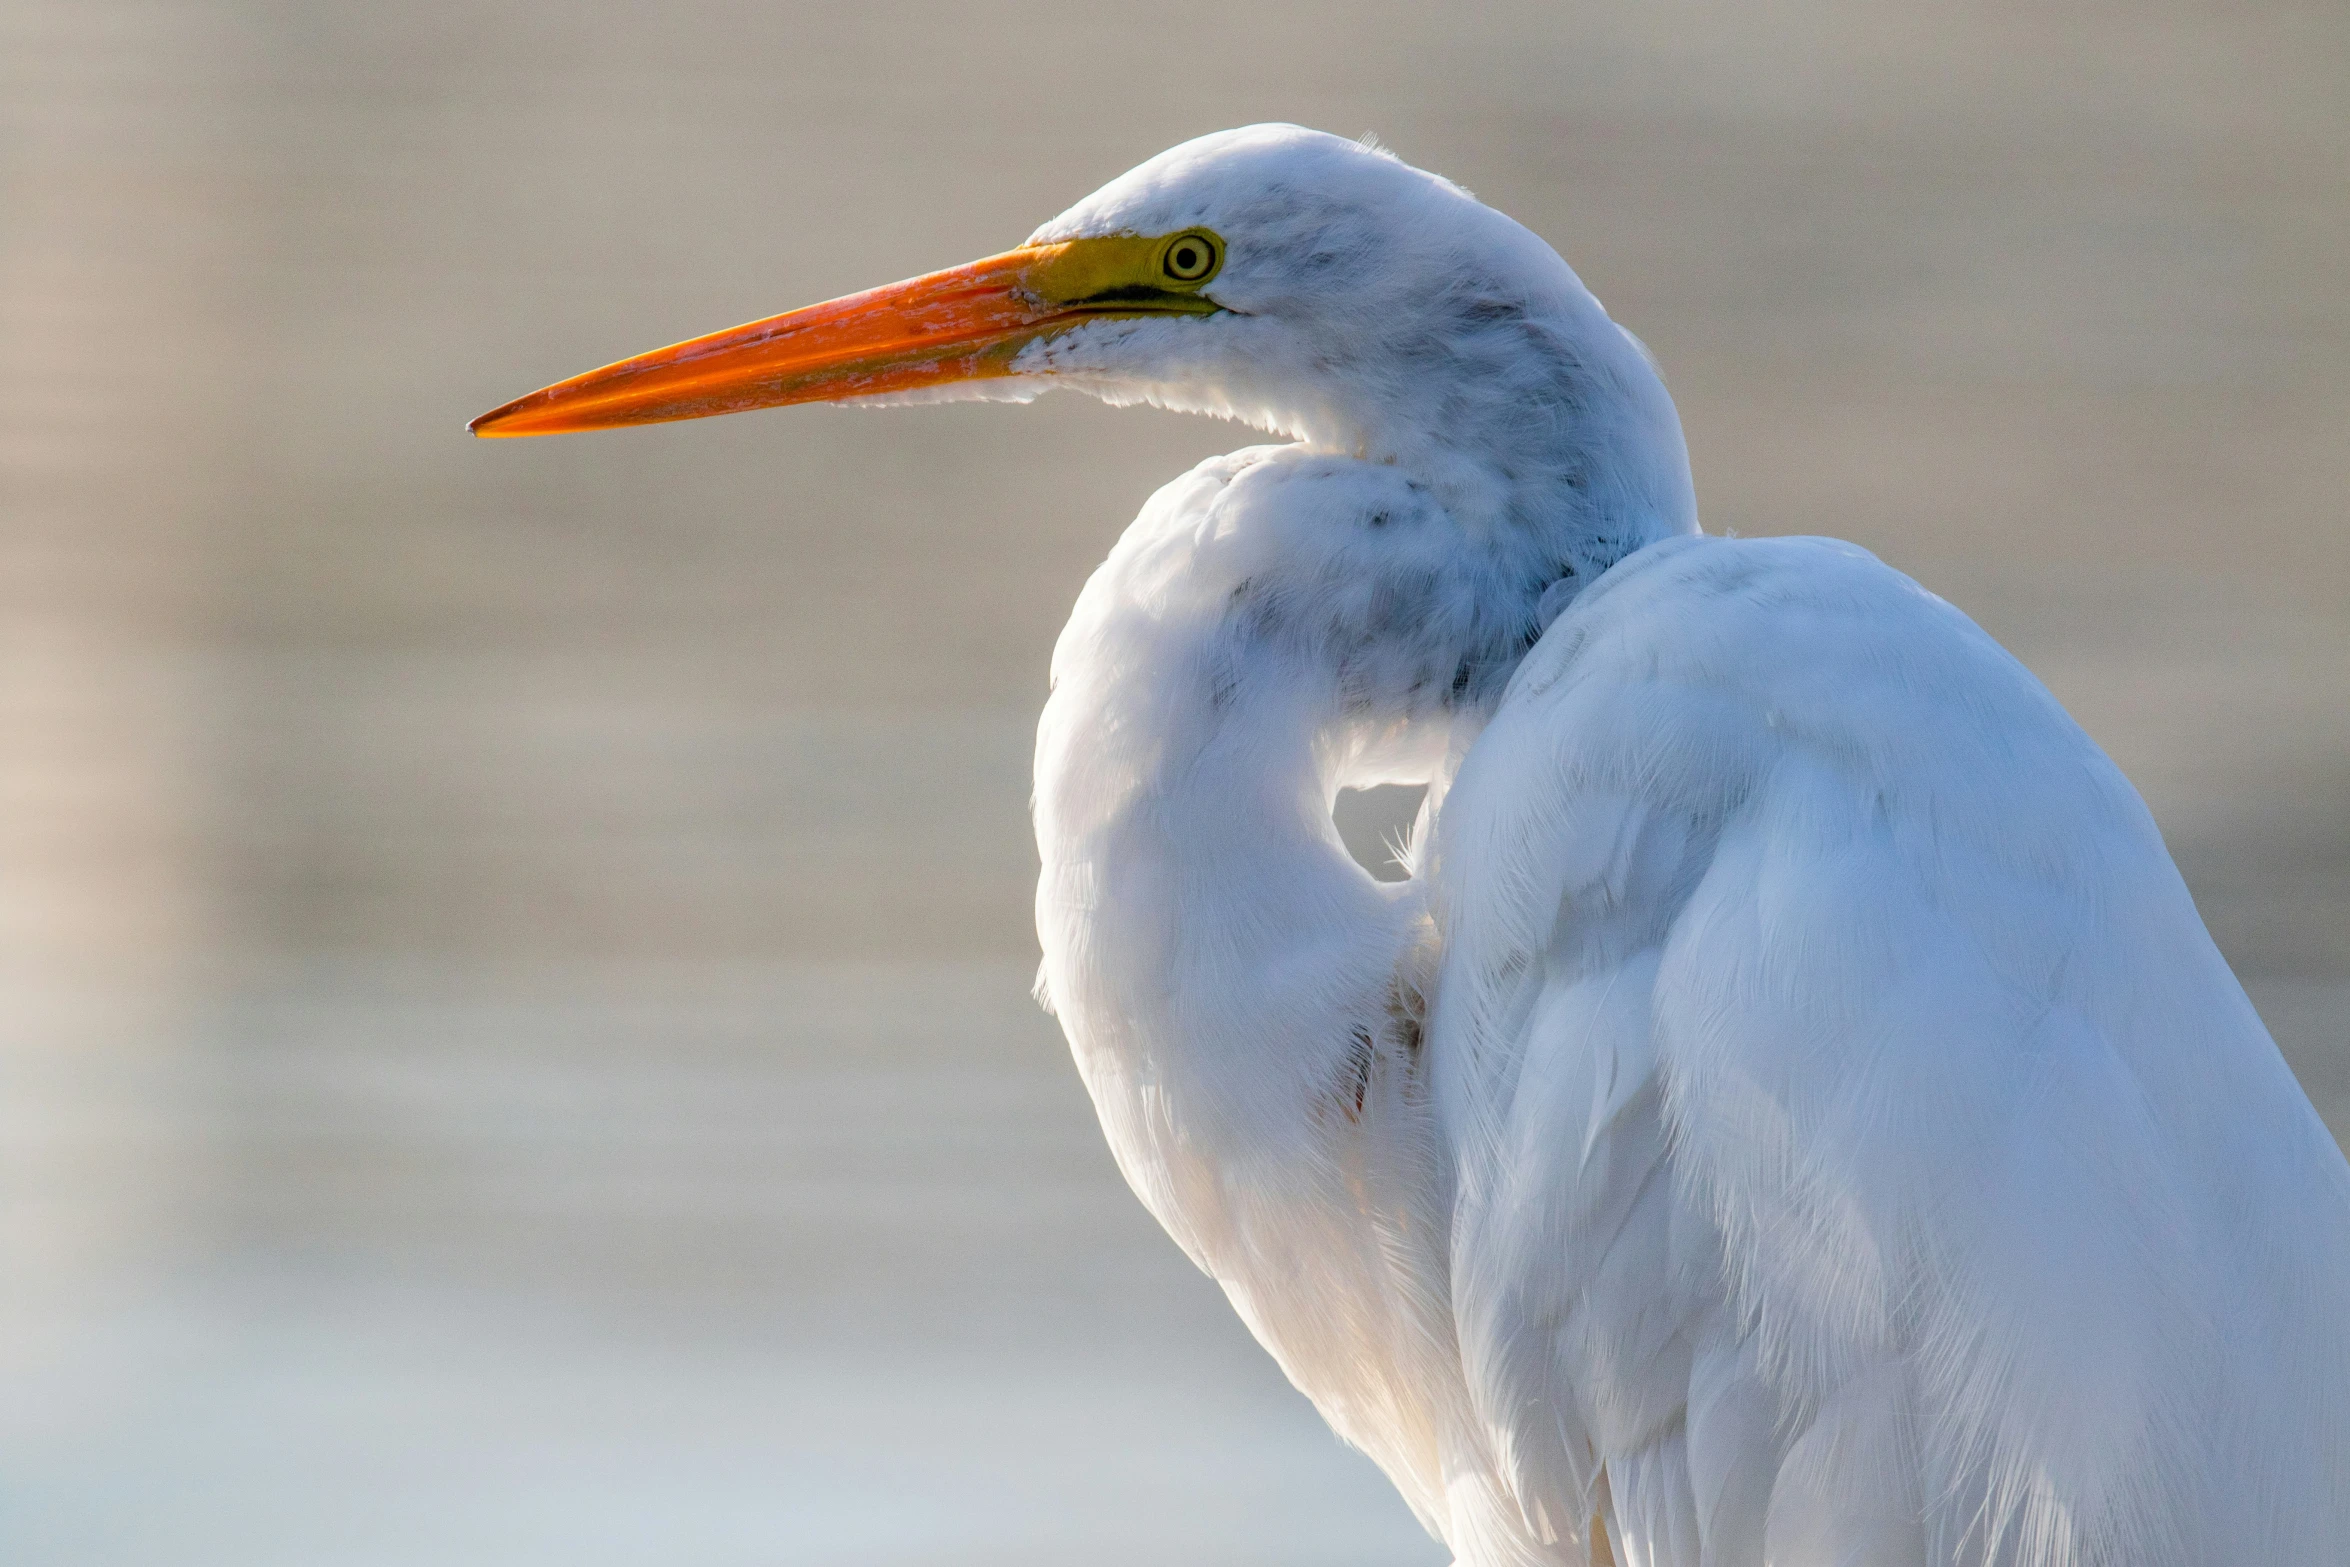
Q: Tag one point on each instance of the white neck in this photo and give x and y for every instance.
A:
(1274, 625)
(1241, 997)
(1214, 953)
(1279, 623)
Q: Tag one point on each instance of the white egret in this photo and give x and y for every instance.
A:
(1793, 1113)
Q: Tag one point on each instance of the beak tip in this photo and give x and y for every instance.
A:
(487, 425)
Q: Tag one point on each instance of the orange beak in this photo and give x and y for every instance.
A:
(966, 322)
(958, 325)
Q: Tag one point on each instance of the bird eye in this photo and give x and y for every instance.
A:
(1192, 257)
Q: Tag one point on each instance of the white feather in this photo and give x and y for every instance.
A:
(1795, 1112)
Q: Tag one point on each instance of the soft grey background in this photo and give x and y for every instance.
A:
(513, 1036)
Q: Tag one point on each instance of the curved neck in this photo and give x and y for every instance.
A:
(1212, 949)
(1536, 422)
(1275, 625)
(1241, 997)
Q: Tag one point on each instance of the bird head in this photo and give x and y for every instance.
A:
(1250, 274)
(1295, 281)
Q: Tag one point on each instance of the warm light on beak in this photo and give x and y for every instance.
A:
(962, 324)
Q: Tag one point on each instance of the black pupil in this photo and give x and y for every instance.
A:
(1187, 259)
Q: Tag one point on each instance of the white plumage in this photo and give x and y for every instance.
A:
(1793, 1115)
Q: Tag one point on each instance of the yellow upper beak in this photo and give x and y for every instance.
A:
(961, 324)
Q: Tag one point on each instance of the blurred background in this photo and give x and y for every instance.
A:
(514, 1038)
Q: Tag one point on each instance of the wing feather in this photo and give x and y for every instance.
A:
(1864, 1154)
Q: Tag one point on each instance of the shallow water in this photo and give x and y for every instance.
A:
(513, 957)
